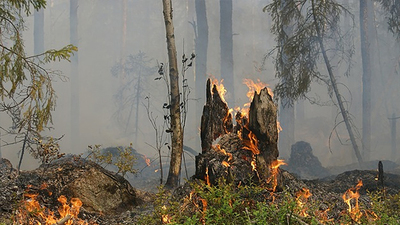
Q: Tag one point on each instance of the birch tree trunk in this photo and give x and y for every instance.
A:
(175, 113)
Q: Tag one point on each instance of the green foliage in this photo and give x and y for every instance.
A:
(392, 8)
(26, 90)
(47, 151)
(298, 50)
(124, 159)
(231, 204)
(386, 207)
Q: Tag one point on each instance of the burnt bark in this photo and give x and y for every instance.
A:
(216, 119)
(242, 153)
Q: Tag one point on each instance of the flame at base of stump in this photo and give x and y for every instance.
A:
(245, 152)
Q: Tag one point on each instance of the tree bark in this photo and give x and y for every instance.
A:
(365, 30)
(336, 90)
(38, 31)
(245, 152)
(74, 76)
(226, 43)
(175, 113)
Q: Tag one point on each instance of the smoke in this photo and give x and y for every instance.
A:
(100, 30)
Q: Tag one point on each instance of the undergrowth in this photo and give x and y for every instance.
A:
(227, 203)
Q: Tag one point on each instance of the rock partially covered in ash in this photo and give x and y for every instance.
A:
(100, 190)
(6, 170)
(303, 163)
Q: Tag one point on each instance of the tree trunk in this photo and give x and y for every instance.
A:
(38, 31)
(336, 90)
(286, 110)
(74, 76)
(365, 30)
(226, 43)
(201, 45)
(245, 152)
(175, 113)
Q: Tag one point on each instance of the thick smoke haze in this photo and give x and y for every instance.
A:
(102, 45)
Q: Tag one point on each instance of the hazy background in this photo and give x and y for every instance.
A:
(100, 30)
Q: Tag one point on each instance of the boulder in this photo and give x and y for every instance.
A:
(304, 163)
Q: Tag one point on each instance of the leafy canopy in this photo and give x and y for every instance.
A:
(26, 90)
(298, 50)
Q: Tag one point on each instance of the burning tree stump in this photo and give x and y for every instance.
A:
(245, 153)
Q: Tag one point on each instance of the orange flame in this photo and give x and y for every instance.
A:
(147, 160)
(274, 173)
(32, 212)
(253, 164)
(166, 219)
(278, 125)
(350, 194)
(207, 177)
(226, 164)
(251, 143)
(301, 199)
(256, 87)
(218, 148)
(220, 87)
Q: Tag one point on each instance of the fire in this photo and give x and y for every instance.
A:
(226, 164)
(274, 173)
(301, 199)
(278, 125)
(253, 164)
(31, 212)
(147, 160)
(256, 87)
(251, 143)
(207, 178)
(220, 87)
(166, 219)
(350, 194)
(218, 148)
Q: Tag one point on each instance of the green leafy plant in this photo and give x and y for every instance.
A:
(123, 159)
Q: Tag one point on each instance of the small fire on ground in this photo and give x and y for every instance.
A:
(31, 212)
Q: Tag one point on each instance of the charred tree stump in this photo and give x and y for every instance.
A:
(216, 119)
(244, 153)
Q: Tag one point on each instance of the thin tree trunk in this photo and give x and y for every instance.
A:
(226, 43)
(286, 111)
(74, 76)
(365, 30)
(201, 45)
(336, 90)
(175, 113)
(38, 31)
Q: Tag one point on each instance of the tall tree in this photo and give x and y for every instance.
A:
(38, 31)
(74, 77)
(201, 45)
(286, 108)
(175, 113)
(315, 25)
(366, 27)
(226, 43)
(26, 91)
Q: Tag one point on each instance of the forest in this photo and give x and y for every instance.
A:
(199, 112)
